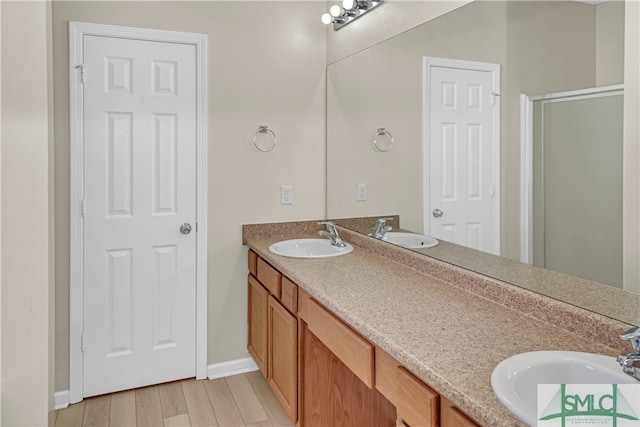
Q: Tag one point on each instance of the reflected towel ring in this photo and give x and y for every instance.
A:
(264, 129)
(382, 140)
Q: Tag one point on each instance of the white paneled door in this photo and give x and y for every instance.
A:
(461, 156)
(139, 202)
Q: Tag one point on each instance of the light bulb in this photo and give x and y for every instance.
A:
(335, 10)
(326, 18)
(348, 4)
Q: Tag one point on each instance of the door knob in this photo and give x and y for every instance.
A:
(185, 228)
(437, 213)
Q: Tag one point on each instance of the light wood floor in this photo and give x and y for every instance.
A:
(240, 400)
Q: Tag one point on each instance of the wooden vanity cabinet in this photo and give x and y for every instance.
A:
(273, 331)
(336, 373)
(323, 372)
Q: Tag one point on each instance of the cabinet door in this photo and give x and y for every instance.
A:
(283, 357)
(332, 395)
(257, 314)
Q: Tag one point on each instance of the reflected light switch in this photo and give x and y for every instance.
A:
(286, 195)
(362, 192)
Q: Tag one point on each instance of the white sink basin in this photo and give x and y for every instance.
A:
(515, 379)
(409, 240)
(308, 248)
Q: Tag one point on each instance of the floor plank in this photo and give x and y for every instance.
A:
(269, 401)
(224, 406)
(243, 400)
(248, 403)
(198, 404)
(181, 420)
(71, 416)
(123, 409)
(52, 418)
(148, 407)
(172, 399)
(97, 411)
(264, 423)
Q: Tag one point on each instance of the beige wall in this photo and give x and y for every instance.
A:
(266, 66)
(609, 43)
(542, 47)
(25, 214)
(390, 18)
(551, 48)
(382, 87)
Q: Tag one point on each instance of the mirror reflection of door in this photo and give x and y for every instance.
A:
(462, 112)
(577, 172)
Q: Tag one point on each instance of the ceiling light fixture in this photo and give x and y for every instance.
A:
(350, 10)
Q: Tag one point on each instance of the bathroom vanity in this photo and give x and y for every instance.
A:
(381, 337)
(344, 379)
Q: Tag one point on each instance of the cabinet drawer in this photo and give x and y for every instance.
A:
(269, 277)
(353, 350)
(452, 416)
(253, 261)
(289, 297)
(416, 403)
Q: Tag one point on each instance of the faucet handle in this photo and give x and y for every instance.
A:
(632, 335)
(382, 221)
(331, 227)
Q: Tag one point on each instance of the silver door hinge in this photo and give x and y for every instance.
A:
(492, 191)
(83, 73)
(494, 96)
(82, 342)
(196, 227)
(83, 207)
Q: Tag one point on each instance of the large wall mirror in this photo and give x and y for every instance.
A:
(443, 113)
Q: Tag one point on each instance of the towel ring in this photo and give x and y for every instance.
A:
(264, 129)
(382, 140)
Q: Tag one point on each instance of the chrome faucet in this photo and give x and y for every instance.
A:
(380, 228)
(631, 362)
(332, 234)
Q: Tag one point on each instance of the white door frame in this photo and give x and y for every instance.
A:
(526, 155)
(494, 69)
(77, 30)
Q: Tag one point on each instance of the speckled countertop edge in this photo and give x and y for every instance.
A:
(606, 300)
(418, 308)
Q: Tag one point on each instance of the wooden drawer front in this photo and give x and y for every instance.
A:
(253, 261)
(353, 350)
(289, 295)
(269, 277)
(452, 416)
(417, 404)
(303, 304)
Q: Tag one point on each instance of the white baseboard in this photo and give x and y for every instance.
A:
(232, 367)
(216, 370)
(61, 399)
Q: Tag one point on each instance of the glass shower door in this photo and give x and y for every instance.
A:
(577, 172)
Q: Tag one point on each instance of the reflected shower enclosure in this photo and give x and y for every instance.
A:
(577, 183)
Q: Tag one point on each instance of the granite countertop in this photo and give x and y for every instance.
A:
(448, 337)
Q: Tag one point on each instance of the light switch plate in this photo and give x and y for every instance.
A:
(286, 195)
(362, 192)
